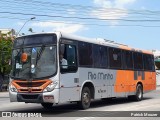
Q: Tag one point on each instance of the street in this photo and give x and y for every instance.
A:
(99, 108)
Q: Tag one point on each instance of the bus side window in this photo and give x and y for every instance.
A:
(115, 57)
(85, 54)
(128, 60)
(100, 56)
(148, 62)
(70, 57)
(138, 62)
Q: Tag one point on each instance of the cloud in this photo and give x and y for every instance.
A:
(113, 3)
(123, 3)
(111, 9)
(20, 23)
(51, 26)
(103, 3)
(71, 11)
(110, 14)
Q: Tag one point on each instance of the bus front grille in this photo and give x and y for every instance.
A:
(30, 96)
(35, 86)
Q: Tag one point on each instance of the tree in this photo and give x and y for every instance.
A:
(30, 30)
(6, 41)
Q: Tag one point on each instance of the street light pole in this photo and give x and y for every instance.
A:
(24, 25)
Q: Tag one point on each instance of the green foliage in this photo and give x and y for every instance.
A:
(5, 52)
(30, 30)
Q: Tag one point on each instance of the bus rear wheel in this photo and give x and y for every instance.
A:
(139, 93)
(47, 105)
(85, 98)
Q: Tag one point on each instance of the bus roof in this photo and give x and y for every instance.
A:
(99, 41)
(102, 41)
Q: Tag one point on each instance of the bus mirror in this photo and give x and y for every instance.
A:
(24, 57)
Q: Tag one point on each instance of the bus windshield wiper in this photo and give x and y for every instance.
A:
(21, 48)
(39, 54)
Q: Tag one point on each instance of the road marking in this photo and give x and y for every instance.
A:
(85, 118)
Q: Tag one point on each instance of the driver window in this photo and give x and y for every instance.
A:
(67, 57)
(62, 60)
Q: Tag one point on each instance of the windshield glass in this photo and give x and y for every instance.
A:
(34, 56)
(40, 62)
(34, 40)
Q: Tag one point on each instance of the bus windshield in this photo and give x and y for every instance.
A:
(40, 61)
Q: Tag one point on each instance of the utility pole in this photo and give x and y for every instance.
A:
(25, 24)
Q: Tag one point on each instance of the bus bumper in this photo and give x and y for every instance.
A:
(13, 96)
(47, 97)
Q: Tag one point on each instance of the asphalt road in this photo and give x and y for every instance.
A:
(120, 108)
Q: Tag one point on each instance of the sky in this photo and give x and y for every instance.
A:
(135, 23)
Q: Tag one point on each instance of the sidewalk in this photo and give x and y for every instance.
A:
(158, 87)
(4, 94)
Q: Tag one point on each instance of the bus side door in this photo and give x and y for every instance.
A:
(69, 77)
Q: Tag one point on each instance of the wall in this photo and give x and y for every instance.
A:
(158, 77)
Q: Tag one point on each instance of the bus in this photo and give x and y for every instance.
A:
(95, 69)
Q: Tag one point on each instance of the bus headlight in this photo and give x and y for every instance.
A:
(13, 88)
(50, 87)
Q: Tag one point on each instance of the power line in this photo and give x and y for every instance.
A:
(84, 18)
(80, 6)
(101, 25)
(61, 8)
(97, 15)
(64, 12)
(115, 12)
(49, 4)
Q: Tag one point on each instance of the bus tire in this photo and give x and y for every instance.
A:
(139, 94)
(47, 105)
(85, 98)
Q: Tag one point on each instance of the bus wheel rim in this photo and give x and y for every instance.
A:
(139, 93)
(86, 98)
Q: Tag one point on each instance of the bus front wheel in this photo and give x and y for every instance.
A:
(85, 98)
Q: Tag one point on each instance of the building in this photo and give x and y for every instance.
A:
(5, 31)
(157, 63)
(157, 58)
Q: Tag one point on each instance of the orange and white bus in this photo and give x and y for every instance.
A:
(96, 68)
